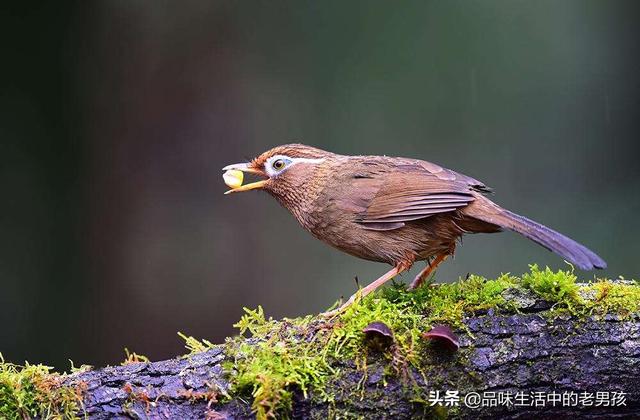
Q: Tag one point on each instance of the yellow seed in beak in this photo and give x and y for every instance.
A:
(233, 178)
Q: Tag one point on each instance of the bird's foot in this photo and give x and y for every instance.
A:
(427, 271)
(366, 290)
(341, 308)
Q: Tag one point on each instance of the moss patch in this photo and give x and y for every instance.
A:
(133, 357)
(301, 354)
(33, 391)
(556, 287)
(271, 361)
(281, 359)
(609, 297)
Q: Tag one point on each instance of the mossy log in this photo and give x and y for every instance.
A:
(529, 350)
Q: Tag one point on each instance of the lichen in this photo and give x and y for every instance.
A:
(31, 391)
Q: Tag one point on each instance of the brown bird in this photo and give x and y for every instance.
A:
(390, 209)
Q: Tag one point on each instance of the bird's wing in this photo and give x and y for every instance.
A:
(409, 190)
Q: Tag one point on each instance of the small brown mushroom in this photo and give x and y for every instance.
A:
(443, 335)
(378, 335)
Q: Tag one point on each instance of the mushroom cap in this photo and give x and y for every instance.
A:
(443, 334)
(378, 328)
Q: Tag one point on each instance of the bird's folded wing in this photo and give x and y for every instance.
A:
(391, 199)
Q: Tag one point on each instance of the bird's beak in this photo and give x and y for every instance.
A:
(244, 167)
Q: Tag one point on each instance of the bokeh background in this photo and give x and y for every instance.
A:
(117, 116)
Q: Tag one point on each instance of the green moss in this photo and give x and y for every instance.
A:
(448, 303)
(619, 298)
(280, 360)
(194, 345)
(558, 287)
(133, 357)
(33, 391)
(597, 298)
(282, 356)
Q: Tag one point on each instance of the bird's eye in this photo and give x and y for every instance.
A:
(278, 164)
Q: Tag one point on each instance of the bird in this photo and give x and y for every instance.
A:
(392, 210)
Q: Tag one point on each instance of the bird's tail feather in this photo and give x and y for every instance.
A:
(567, 248)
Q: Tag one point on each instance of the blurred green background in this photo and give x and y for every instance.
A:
(116, 118)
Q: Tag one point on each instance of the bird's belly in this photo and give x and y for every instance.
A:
(417, 240)
(359, 244)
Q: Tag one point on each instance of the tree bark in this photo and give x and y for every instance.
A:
(526, 353)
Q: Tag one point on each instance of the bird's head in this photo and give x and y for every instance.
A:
(287, 171)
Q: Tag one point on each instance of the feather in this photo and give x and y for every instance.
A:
(383, 226)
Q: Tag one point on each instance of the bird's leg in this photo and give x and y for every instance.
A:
(426, 272)
(368, 289)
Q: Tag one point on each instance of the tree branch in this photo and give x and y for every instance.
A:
(520, 353)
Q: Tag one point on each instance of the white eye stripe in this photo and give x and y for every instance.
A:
(306, 160)
(271, 171)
